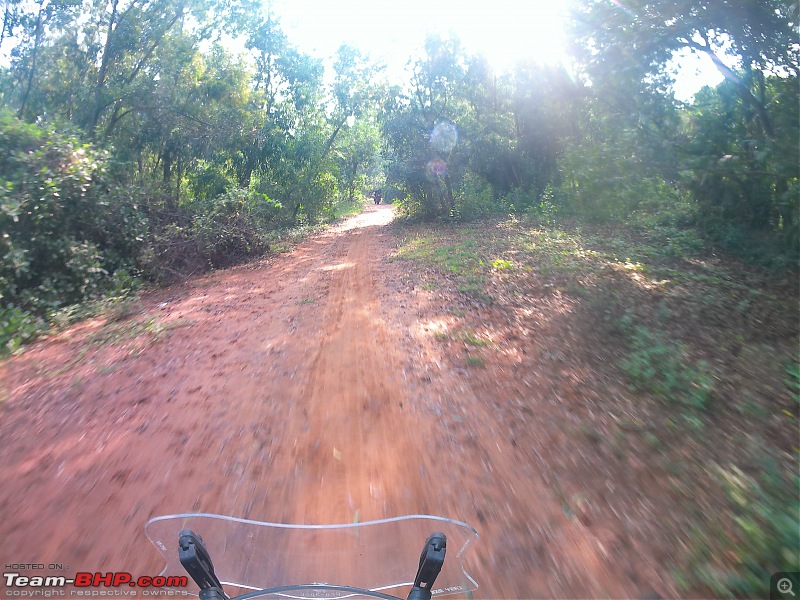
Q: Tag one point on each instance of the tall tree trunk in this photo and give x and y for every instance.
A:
(167, 170)
(332, 138)
(6, 22)
(101, 74)
(178, 177)
(36, 41)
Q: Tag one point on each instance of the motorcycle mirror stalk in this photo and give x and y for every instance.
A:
(430, 565)
(195, 559)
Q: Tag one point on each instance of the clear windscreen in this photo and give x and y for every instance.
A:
(377, 555)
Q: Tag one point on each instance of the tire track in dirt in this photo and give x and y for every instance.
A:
(305, 389)
(351, 462)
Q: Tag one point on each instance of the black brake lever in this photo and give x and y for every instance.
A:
(430, 565)
(195, 559)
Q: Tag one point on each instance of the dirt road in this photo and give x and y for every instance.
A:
(304, 389)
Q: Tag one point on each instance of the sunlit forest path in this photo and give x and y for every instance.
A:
(308, 388)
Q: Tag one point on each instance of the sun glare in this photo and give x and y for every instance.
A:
(504, 31)
(509, 31)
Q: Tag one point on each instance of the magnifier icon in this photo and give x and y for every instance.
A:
(785, 587)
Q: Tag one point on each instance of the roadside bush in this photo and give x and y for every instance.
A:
(667, 219)
(17, 327)
(474, 198)
(544, 210)
(760, 248)
(763, 535)
(211, 233)
(64, 226)
(232, 227)
(520, 200)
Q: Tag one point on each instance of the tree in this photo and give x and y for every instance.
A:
(428, 158)
(357, 155)
(744, 181)
(761, 35)
(727, 151)
(32, 28)
(131, 34)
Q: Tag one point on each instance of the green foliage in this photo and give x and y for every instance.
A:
(764, 535)
(465, 140)
(665, 219)
(521, 200)
(746, 181)
(17, 327)
(220, 232)
(157, 153)
(462, 262)
(662, 368)
(425, 158)
(735, 149)
(546, 208)
(232, 226)
(63, 233)
(792, 378)
(607, 181)
(475, 198)
(176, 155)
(209, 181)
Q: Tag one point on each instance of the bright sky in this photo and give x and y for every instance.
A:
(505, 31)
(694, 71)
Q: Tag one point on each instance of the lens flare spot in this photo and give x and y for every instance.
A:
(437, 168)
(444, 137)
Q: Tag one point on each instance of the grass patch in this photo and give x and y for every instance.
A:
(473, 340)
(120, 333)
(640, 308)
(461, 258)
(762, 538)
(474, 360)
(502, 264)
(462, 261)
(663, 369)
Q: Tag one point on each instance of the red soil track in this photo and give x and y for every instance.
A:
(304, 389)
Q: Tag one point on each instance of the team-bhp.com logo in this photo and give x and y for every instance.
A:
(115, 583)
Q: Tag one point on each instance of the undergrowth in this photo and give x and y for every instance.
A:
(680, 316)
(19, 327)
(663, 369)
(762, 537)
(16, 328)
